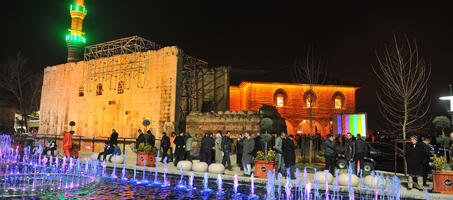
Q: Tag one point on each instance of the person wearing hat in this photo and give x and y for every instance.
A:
(415, 158)
(329, 153)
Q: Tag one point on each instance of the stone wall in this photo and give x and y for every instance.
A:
(96, 115)
(235, 121)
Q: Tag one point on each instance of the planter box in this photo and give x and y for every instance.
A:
(443, 182)
(149, 157)
(262, 167)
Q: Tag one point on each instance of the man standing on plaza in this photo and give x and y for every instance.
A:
(172, 145)
(289, 154)
(226, 149)
(415, 157)
(218, 147)
(361, 151)
(279, 152)
(180, 147)
(426, 168)
(207, 145)
(188, 149)
(247, 155)
(164, 145)
(140, 138)
(350, 152)
(239, 150)
(329, 153)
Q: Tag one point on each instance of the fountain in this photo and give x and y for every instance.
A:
(35, 174)
(123, 172)
(205, 184)
(156, 182)
(181, 180)
(219, 185)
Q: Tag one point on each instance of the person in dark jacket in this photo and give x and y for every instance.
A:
(258, 145)
(426, 168)
(247, 155)
(350, 152)
(151, 140)
(116, 151)
(180, 148)
(164, 145)
(208, 146)
(114, 138)
(140, 139)
(239, 148)
(289, 154)
(329, 153)
(226, 150)
(361, 151)
(108, 149)
(51, 146)
(415, 157)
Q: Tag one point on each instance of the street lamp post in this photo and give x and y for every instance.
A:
(449, 98)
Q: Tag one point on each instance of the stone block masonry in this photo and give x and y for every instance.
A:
(235, 121)
(66, 97)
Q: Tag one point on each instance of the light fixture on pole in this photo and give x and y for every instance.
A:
(449, 98)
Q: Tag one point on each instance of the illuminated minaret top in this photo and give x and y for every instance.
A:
(75, 39)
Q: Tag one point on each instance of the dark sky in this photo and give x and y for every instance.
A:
(249, 34)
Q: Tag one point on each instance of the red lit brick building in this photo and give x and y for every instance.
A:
(293, 102)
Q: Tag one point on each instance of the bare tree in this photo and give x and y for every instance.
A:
(404, 79)
(310, 70)
(20, 86)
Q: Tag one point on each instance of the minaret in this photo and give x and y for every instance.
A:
(75, 41)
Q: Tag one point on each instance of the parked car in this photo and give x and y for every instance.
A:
(381, 157)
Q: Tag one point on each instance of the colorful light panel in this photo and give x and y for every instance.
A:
(350, 123)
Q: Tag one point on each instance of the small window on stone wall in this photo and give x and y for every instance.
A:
(338, 103)
(120, 87)
(280, 100)
(81, 91)
(99, 89)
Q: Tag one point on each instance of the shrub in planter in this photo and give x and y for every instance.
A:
(442, 179)
(146, 152)
(264, 163)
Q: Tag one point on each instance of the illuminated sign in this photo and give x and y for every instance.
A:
(350, 123)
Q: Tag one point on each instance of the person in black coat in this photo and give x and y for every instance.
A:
(426, 168)
(226, 150)
(180, 146)
(258, 145)
(140, 139)
(151, 139)
(208, 146)
(415, 156)
(361, 151)
(239, 147)
(350, 152)
(289, 154)
(164, 145)
(114, 138)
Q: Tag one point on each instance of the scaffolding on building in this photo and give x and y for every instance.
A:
(122, 63)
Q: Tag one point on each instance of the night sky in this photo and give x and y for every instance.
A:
(259, 35)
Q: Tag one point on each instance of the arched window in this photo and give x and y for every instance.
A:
(338, 100)
(99, 89)
(310, 99)
(81, 91)
(120, 87)
(280, 98)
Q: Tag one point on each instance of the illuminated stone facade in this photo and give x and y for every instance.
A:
(293, 102)
(103, 105)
